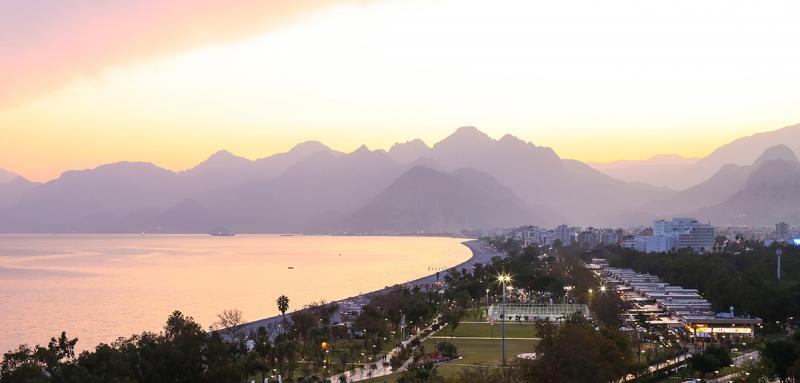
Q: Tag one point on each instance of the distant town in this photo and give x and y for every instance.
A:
(664, 235)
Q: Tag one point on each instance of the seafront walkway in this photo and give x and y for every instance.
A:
(383, 368)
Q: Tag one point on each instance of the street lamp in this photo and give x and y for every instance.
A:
(504, 279)
(602, 289)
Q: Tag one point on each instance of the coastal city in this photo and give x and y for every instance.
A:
(670, 326)
(414, 191)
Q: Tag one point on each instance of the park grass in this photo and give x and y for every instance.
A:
(476, 352)
(484, 351)
(383, 379)
(486, 330)
(473, 352)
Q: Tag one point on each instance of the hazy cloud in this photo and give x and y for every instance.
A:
(46, 43)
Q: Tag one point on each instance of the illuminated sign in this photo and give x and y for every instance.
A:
(796, 241)
(724, 330)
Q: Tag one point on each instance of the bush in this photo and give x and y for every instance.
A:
(712, 359)
(447, 349)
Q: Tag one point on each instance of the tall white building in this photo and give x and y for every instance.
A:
(565, 234)
(679, 233)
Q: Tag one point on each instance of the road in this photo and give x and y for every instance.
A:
(739, 361)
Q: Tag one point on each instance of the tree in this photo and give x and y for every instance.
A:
(781, 354)
(421, 373)
(447, 349)
(283, 306)
(607, 306)
(712, 359)
(231, 322)
(574, 353)
(303, 321)
(452, 316)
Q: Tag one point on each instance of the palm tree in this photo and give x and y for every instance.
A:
(283, 306)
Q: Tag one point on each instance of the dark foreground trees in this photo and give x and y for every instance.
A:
(575, 352)
(182, 352)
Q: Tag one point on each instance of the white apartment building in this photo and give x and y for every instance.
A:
(567, 235)
(679, 233)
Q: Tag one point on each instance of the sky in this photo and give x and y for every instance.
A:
(87, 82)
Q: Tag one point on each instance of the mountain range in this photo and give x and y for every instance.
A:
(466, 181)
(680, 173)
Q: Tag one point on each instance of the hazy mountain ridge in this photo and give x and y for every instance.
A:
(742, 151)
(660, 170)
(726, 182)
(771, 194)
(12, 191)
(540, 177)
(313, 188)
(706, 200)
(427, 200)
(7, 176)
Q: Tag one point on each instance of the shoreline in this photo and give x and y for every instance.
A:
(481, 253)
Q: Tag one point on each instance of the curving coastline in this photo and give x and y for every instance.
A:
(481, 253)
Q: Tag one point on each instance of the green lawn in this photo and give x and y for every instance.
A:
(485, 330)
(473, 352)
(485, 351)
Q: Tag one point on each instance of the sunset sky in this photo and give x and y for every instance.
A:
(85, 82)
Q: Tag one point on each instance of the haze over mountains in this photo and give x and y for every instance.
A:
(680, 174)
(664, 170)
(466, 181)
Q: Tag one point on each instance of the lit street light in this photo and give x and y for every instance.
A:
(504, 279)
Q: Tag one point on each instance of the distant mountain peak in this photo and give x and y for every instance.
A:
(6, 176)
(362, 149)
(465, 138)
(309, 147)
(508, 138)
(223, 153)
(777, 152)
(409, 151)
(470, 131)
(222, 160)
(415, 143)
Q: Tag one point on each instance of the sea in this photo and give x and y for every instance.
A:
(98, 288)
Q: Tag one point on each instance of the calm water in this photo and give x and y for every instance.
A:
(100, 287)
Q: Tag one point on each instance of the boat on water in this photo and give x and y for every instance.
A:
(221, 234)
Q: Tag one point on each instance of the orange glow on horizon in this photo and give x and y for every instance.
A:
(620, 80)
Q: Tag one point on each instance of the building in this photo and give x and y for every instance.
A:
(679, 233)
(782, 231)
(566, 235)
(590, 237)
(529, 312)
(536, 236)
(674, 306)
(611, 237)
